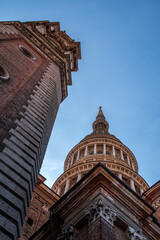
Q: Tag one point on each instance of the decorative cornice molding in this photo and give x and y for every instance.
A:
(87, 166)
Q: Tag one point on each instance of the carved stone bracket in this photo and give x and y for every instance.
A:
(156, 204)
(45, 206)
(99, 210)
(68, 234)
(132, 234)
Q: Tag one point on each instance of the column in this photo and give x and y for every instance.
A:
(120, 175)
(132, 184)
(141, 190)
(122, 157)
(78, 154)
(67, 185)
(59, 191)
(113, 151)
(104, 148)
(72, 160)
(79, 176)
(68, 166)
(133, 166)
(128, 160)
(86, 151)
(95, 148)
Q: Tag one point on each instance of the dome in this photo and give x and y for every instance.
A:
(100, 146)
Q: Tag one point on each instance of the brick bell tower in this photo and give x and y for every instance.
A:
(36, 60)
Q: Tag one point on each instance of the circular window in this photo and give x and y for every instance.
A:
(26, 52)
(4, 75)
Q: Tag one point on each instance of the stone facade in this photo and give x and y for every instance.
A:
(36, 60)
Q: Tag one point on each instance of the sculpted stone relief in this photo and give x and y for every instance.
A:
(99, 210)
(156, 204)
(68, 234)
(132, 234)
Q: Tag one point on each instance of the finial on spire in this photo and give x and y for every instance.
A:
(100, 114)
(100, 125)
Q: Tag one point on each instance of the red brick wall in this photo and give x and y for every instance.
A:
(24, 75)
(37, 212)
(101, 230)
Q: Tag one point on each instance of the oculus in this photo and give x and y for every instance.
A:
(26, 52)
(4, 75)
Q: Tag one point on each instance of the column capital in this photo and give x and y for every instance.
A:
(100, 210)
(68, 233)
(133, 234)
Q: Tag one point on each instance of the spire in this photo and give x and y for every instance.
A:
(100, 125)
(100, 114)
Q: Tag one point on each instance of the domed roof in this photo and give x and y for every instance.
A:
(100, 147)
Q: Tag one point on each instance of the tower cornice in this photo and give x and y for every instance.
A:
(55, 44)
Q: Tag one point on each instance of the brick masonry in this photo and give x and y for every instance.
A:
(28, 108)
(42, 199)
(39, 73)
(101, 230)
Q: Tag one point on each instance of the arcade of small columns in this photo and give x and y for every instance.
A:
(83, 157)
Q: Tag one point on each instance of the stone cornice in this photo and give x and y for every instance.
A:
(61, 56)
(86, 167)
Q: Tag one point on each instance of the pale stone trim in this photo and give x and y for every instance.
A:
(67, 185)
(86, 151)
(79, 176)
(120, 175)
(122, 157)
(59, 191)
(95, 148)
(113, 151)
(9, 29)
(104, 148)
(72, 160)
(84, 167)
(78, 155)
(132, 184)
(108, 142)
(128, 160)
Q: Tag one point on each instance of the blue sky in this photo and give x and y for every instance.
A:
(119, 70)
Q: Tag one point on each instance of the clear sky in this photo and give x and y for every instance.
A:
(119, 70)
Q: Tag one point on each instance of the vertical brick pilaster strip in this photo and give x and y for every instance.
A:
(23, 154)
(101, 230)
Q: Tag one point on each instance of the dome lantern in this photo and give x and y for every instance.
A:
(100, 125)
